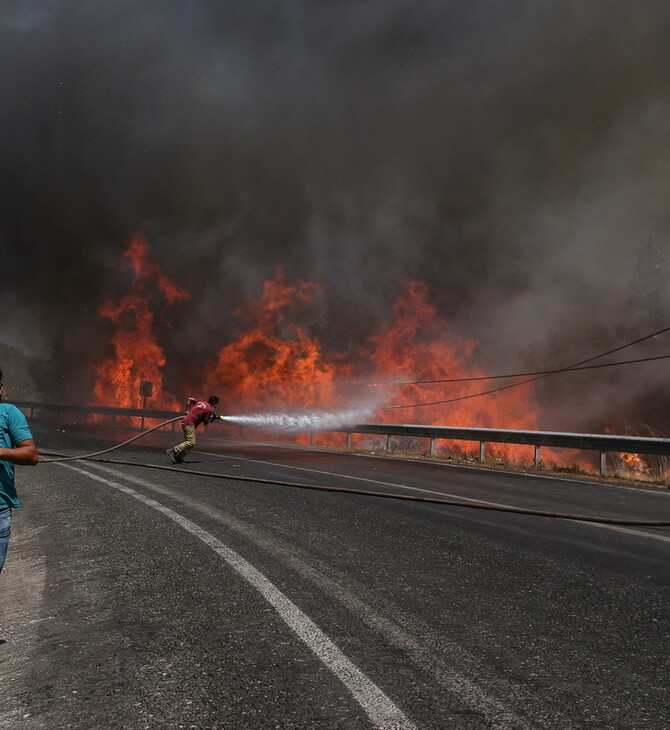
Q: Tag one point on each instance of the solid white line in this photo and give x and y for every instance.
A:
(353, 478)
(378, 706)
(629, 531)
(470, 467)
(449, 495)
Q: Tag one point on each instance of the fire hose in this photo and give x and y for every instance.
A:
(346, 490)
(111, 448)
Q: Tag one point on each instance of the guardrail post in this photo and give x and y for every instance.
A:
(431, 448)
(482, 451)
(536, 459)
(603, 463)
(349, 435)
(388, 442)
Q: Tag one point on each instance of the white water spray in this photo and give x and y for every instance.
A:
(305, 421)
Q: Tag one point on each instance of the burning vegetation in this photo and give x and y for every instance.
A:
(138, 356)
(274, 365)
(273, 362)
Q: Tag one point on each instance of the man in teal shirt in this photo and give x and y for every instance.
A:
(16, 447)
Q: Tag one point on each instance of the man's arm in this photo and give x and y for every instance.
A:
(23, 454)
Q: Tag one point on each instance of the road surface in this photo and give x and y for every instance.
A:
(155, 598)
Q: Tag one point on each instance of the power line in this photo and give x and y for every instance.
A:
(520, 375)
(545, 374)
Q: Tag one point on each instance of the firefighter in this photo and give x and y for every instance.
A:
(197, 412)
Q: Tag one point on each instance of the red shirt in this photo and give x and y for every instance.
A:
(199, 413)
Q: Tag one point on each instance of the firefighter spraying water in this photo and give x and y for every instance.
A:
(198, 411)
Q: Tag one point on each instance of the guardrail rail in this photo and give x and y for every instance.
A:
(601, 443)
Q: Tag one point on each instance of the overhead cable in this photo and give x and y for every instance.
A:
(545, 374)
(521, 375)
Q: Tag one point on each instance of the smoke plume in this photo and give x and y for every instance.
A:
(511, 156)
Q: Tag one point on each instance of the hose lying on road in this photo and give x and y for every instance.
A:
(406, 497)
(111, 448)
(364, 492)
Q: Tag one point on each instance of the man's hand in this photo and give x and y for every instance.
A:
(23, 454)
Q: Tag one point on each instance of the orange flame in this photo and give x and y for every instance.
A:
(138, 356)
(634, 463)
(419, 345)
(276, 363)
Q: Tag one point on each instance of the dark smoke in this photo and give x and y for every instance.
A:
(513, 156)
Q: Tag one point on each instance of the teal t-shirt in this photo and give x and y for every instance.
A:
(13, 430)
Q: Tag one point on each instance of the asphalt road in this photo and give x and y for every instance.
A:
(145, 598)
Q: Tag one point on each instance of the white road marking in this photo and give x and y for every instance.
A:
(449, 495)
(629, 531)
(378, 706)
(496, 713)
(357, 479)
(470, 467)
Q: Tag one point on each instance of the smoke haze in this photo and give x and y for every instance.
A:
(512, 156)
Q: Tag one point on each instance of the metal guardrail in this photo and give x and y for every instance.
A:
(602, 443)
(140, 413)
(96, 410)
